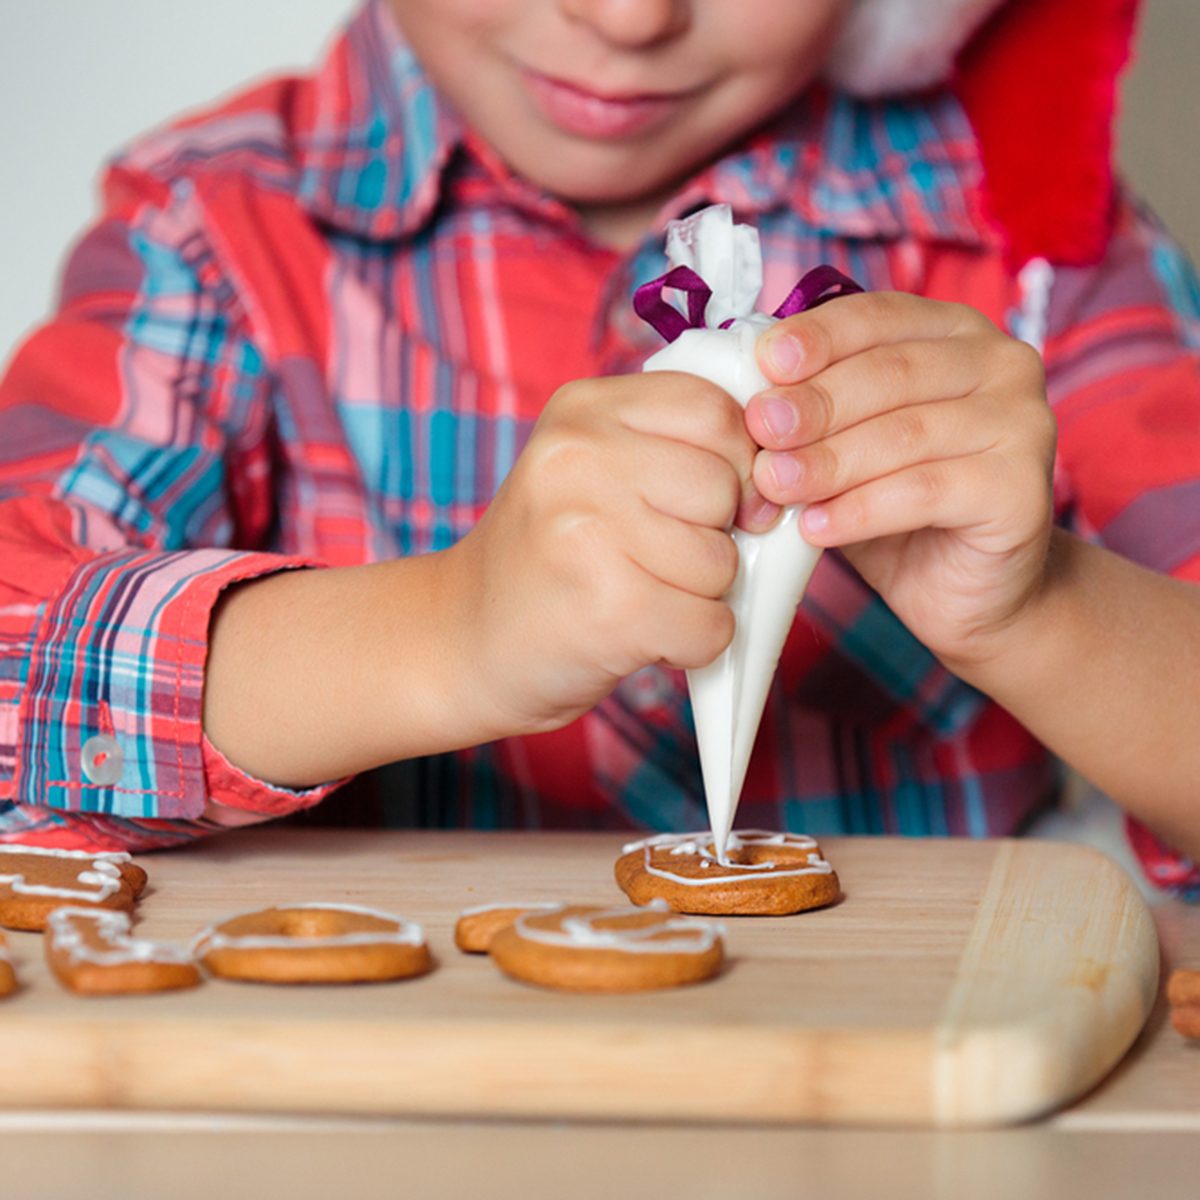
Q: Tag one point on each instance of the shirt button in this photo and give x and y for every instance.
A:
(103, 761)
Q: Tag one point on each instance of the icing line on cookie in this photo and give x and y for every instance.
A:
(540, 905)
(105, 875)
(406, 933)
(697, 843)
(113, 926)
(580, 933)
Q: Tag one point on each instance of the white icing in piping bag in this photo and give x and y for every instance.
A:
(774, 568)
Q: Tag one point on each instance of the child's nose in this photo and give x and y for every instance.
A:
(632, 22)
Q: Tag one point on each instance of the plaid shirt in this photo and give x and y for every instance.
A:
(316, 325)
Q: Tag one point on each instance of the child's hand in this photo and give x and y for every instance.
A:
(607, 549)
(920, 436)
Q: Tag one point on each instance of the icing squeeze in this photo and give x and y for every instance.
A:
(68, 929)
(402, 932)
(104, 876)
(701, 845)
(579, 931)
(718, 264)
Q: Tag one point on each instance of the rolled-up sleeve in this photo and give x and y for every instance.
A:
(135, 486)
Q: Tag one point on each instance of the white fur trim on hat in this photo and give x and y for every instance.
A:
(902, 45)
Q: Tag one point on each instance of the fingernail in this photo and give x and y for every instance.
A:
(778, 416)
(785, 470)
(760, 514)
(785, 355)
(816, 518)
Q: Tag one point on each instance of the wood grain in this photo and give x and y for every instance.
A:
(958, 983)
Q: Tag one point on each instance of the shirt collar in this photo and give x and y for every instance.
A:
(377, 140)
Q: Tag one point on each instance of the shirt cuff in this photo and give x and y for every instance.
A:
(1163, 866)
(111, 712)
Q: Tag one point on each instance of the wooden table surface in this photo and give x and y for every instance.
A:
(1137, 1132)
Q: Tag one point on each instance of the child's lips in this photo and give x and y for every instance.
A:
(576, 110)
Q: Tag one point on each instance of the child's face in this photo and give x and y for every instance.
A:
(611, 102)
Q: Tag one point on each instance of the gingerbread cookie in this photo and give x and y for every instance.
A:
(583, 948)
(91, 953)
(476, 926)
(768, 874)
(314, 943)
(8, 977)
(35, 881)
(1183, 994)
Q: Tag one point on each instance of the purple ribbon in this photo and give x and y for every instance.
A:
(818, 286)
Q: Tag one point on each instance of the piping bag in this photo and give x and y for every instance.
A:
(717, 264)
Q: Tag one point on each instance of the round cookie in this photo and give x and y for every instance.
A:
(768, 874)
(91, 953)
(314, 943)
(34, 881)
(475, 927)
(584, 948)
(8, 977)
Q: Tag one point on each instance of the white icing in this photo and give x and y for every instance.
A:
(113, 928)
(579, 932)
(774, 568)
(405, 933)
(699, 845)
(529, 904)
(104, 876)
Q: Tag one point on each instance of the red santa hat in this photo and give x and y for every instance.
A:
(1038, 81)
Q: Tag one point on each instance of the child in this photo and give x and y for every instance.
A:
(337, 453)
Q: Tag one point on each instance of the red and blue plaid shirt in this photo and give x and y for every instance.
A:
(316, 325)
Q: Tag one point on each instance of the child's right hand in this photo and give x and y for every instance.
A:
(607, 547)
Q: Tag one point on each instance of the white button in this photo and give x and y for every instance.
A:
(103, 761)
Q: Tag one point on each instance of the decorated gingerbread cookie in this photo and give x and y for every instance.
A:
(768, 874)
(475, 928)
(583, 948)
(314, 943)
(35, 881)
(91, 952)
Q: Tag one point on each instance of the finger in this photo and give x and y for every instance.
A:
(798, 347)
(689, 558)
(855, 389)
(698, 485)
(685, 482)
(682, 630)
(976, 492)
(883, 445)
(686, 408)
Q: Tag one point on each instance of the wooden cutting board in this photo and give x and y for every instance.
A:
(957, 983)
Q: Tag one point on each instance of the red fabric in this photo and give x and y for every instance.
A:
(1039, 86)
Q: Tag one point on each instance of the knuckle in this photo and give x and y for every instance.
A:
(714, 631)
(816, 408)
(911, 431)
(1025, 359)
(721, 486)
(721, 554)
(968, 320)
(894, 366)
(930, 486)
(817, 340)
(823, 469)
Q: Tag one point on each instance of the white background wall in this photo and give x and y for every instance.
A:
(79, 77)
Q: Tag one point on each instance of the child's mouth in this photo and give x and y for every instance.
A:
(588, 114)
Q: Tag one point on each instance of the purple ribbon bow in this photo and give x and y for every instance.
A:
(816, 287)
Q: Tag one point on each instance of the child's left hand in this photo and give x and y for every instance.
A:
(920, 438)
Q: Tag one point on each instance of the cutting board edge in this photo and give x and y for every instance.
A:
(1050, 1053)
